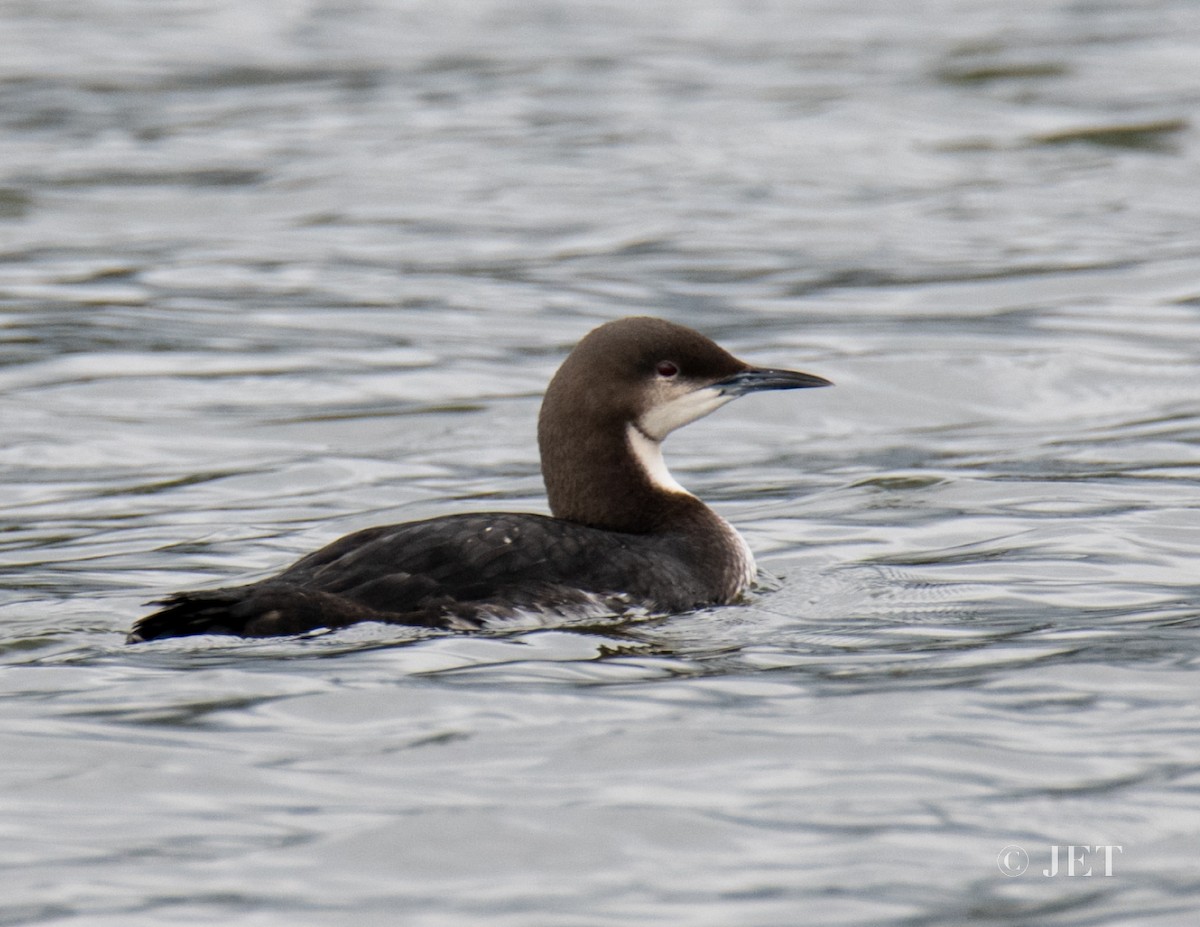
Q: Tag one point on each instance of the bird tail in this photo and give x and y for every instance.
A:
(273, 610)
(258, 610)
(219, 611)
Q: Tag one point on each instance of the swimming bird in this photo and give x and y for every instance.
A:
(623, 534)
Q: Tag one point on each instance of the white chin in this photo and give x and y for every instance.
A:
(663, 419)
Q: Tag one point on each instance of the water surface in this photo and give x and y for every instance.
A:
(271, 273)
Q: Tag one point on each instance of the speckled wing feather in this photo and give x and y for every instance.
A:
(451, 572)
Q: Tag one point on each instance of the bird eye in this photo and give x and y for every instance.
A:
(666, 369)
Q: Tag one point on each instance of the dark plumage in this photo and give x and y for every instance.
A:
(622, 536)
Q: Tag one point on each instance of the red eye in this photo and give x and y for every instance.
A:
(666, 369)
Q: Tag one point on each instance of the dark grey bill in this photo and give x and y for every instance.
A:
(757, 378)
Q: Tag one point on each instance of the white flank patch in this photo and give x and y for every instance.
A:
(648, 454)
(664, 418)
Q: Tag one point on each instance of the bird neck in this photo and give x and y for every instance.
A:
(612, 476)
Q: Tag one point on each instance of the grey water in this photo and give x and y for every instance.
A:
(271, 272)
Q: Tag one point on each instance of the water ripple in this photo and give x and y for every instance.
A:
(271, 274)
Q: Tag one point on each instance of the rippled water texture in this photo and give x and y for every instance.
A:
(273, 271)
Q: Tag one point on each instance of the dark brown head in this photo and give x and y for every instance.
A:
(625, 387)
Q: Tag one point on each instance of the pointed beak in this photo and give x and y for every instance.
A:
(763, 378)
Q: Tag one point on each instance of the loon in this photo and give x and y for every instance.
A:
(624, 533)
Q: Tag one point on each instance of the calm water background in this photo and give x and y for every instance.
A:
(270, 272)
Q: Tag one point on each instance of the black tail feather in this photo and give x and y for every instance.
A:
(188, 613)
(246, 611)
(273, 610)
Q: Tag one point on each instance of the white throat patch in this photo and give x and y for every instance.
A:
(677, 411)
(648, 453)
